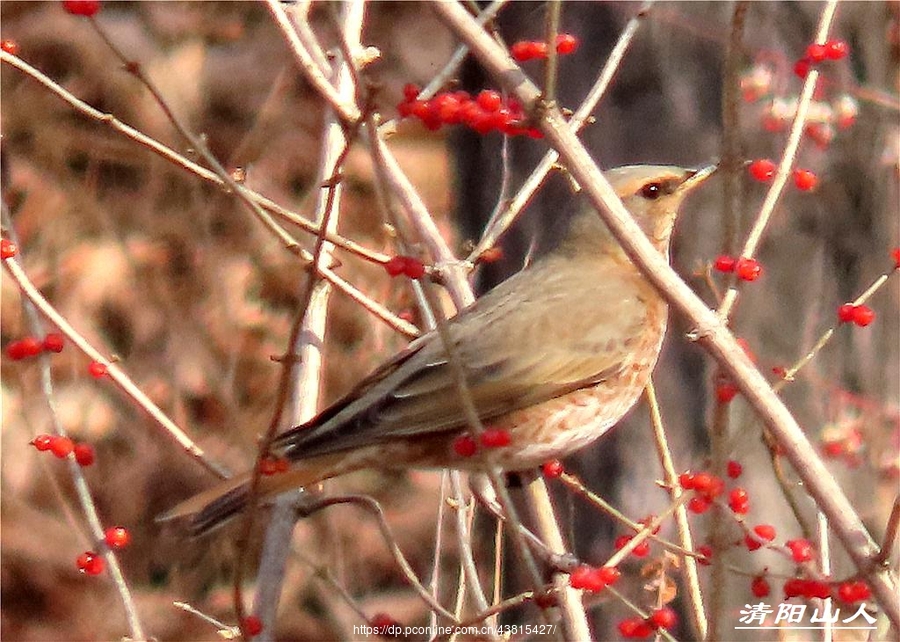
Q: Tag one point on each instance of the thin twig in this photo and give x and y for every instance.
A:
(692, 580)
(890, 535)
(787, 159)
(551, 67)
(346, 111)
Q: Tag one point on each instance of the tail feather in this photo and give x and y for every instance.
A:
(212, 508)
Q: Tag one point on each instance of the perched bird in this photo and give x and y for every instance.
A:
(553, 357)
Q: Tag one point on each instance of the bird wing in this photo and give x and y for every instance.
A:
(515, 351)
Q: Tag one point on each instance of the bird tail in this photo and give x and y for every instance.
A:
(212, 508)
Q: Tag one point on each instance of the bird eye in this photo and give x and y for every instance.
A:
(652, 191)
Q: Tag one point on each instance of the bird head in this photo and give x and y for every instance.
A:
(654, 193)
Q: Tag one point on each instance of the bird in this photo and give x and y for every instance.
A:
(553, 358)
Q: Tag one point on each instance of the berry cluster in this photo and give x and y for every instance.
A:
(861, 315)
(706, 487)
(29, 347)
(746, 269)
(848, 592)
(62, 447)
(763, 170)
(91, 562)
(593, 578)
(483, 114)
(816, 53)
(525, 50)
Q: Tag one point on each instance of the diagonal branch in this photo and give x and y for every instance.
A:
(711, 333)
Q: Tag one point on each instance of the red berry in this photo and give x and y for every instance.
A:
(759, 586)
(464, 446)
(739, 501)
(801, 68)
(117, 537)
(11, 47)
(751, 543)
(411, 91)
(708, 484)
(413, 268)
(54, 342)
(836, 49)
(489, 100)
(42, 442)
(765, 532)
(97, 369)
(762, 170)
(845, 313)
(699, 504)
(724, 263)
(663, 618)
(641, 550)
(84, 454)
(395, 266)
(8, 249)
(805, 180)
(863, 315)
(385, 625)
(85, 8)
(251, 625)
(816, 52)
(734, 469)
(747, 269)
(24, 348)
(817, 588)
(552, 469)
(495, 438)
(794, 587)
(522, 51)
(895, 254)
(850, 592)
(90, 563)
(726, 391)
(686, 480)
(801, 550)
(587, 578)
(566, 44)
(609, 574)
(634, 627)
(447, 107)
(61, 446)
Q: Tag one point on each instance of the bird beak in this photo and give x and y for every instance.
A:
(697, 176)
